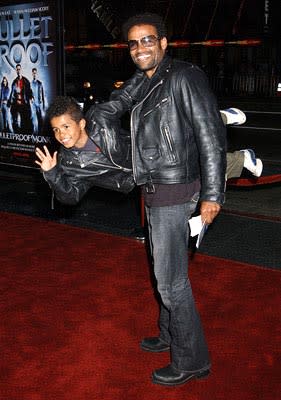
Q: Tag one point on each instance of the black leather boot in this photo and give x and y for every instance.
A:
(154, 344)
(170, 376)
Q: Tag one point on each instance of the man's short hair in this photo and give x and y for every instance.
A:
(145, 19)
(65, 105)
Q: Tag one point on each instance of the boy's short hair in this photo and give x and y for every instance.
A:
(65, 105)
(145, 19)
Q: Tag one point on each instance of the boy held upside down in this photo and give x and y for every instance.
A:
(80, 164)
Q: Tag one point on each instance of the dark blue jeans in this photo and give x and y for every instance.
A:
(179, 320)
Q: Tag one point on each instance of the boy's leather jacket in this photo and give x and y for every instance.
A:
(77, 171)
(176, 129)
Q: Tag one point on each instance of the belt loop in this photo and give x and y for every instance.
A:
(149, 187)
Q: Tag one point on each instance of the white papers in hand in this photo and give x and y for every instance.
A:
(195, 224)
(197, 227)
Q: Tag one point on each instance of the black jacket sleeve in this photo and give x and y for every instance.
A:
(209, 132)
(103, 120)
(68, 188)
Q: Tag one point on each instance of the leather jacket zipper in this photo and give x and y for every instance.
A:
(156, 106)
(169, 142)
(108, 166)
(133, 133)
(111, 159)
(168, 138)
(113, 166)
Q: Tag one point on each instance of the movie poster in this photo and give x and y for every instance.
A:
(30, 49)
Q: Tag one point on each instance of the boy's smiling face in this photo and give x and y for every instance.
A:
(69, 132)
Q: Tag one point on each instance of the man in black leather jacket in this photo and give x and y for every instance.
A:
(178, 158)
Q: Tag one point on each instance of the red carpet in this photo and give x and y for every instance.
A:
(75, 304)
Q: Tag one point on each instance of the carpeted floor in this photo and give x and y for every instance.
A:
(75, 303)
(248, 239)
(244, 238)
(100, 209)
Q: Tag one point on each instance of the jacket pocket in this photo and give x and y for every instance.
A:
(151, 153)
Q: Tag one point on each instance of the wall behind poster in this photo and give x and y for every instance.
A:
(30, 47)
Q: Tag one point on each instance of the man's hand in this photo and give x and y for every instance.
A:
(46, 161)
(209, 210)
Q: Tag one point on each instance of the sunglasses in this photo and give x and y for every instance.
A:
(146, 41)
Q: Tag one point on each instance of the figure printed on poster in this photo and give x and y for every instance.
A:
(38, 102)
(28, 75)
(5, 109)
(20, 103)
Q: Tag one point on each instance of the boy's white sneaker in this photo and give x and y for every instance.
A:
(233, 116)
(251, 163)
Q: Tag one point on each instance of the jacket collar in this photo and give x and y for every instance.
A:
(163, 68)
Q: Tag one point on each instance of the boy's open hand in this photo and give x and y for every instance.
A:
(46, 161)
